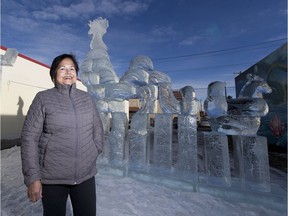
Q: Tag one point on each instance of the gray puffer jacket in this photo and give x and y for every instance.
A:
(61, 137)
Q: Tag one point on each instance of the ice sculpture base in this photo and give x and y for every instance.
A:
(187, 147)
(216, 159)
(251, 162)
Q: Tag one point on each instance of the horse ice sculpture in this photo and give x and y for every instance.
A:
(239, 116)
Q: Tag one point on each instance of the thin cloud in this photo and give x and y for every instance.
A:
(45, 15)
(21, 24)
(56, 10)
(121, 7)
(190, 40)
(212, 31)
(164, 31)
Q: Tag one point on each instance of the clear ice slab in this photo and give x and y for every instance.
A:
(162, 152)
(251, 162)
(187, 148)
(117, 138)
(216, 159)
(138, 138)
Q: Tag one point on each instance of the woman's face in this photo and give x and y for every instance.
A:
(66, 72)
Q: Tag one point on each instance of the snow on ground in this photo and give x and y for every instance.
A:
(124, 196)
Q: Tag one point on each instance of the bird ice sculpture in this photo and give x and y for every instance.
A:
(97, 68)
(241, 116)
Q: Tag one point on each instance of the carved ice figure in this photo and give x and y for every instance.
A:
(9, 58)
(255, 87)
(138, 71)
(250, 101)
(147, 99)
(243, 115)
(189, 105)
(167, 100)
(97, 67)
(215, 104)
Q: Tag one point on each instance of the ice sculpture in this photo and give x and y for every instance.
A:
(9, 58)
(251, 162)
(153, 149)
(187, 147)
(239, 116)
(97, 67)
(117, 138)
(138, 138)
(138, 71)
(189, 104)
(167, 100)
(216, 159)
(215, 104)
(162, 154)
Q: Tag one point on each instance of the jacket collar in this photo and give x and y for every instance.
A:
(66, 89)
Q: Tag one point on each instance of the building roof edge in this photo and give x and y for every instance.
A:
(27, 58)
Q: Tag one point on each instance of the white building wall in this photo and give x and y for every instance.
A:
(19, 85)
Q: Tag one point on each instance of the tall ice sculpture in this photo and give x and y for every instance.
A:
(241, 118)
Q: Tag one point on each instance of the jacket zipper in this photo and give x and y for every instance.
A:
(76, 138)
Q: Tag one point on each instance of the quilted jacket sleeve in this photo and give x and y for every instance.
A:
(31, 132)
(98, 130)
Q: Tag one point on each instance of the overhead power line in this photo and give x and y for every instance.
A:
(206, 68)
(226, 51)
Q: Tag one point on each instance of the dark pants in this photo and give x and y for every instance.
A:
(83, 198)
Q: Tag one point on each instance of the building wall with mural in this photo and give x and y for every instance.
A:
(273, 69)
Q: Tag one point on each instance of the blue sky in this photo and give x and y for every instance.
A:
(194, 42)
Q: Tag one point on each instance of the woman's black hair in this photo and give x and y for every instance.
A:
(56, 62)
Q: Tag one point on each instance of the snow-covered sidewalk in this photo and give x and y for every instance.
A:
(123, 196)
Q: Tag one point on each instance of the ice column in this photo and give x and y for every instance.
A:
(187, 142)
(106, 119)
(251, 162)
(138, 141)
(216, 156)
(117, 138)
(162, 154)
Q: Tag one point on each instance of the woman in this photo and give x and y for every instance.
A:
(61, 139)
